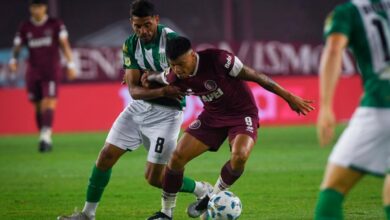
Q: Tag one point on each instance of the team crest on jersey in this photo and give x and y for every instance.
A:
(210, 85)
(29, 35)
(195, 124)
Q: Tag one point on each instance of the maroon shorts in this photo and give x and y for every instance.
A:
(39, 89)
(213, 134)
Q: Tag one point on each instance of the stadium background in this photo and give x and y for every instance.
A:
(282, 39)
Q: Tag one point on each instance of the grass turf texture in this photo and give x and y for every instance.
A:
(281, 180)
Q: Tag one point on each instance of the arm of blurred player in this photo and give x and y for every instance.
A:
(13, 62)
(133, 80)
(330, 70)
(296, 103)
(71, 68)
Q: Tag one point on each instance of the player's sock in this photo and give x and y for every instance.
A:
(227, 178)
(45, 134)
(38, 119)
(387, 211)
(47, 121)
(188, 185)
(329, 205)
(172, 182)
(97, 182)
(90, 208)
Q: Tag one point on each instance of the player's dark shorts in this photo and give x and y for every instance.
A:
(38, 88)
(213, 134)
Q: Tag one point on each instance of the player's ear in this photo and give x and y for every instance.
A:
(157, 18)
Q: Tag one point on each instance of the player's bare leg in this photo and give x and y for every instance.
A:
(386, 196)
(99, 179)
(187, 149)
(47, 106)
(338, 181)
(242, 146)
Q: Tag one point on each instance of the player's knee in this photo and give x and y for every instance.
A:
(106, 159)
(154, 181)
(48, 103)
(239, 159)
(178, 160)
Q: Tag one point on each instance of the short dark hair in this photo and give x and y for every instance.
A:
(38, 2)
(142, 8)
(177, 47)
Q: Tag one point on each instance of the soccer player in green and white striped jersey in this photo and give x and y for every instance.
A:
(153, 119)
(364, 147)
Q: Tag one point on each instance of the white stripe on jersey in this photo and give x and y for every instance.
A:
(17, 40)
(149, 58)
(139, 55)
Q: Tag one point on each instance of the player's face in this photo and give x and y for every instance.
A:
(145, 27)
(38, 11)
(184, 65)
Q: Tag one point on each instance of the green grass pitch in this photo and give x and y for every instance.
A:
(281, 180)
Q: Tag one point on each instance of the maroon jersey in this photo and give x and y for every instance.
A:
(43, 42)
(226, 98)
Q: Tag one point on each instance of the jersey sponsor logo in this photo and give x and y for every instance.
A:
(127, 61)
(40, 42)
(210, 85)
(212, 95)
(228, 61)
(195, 124)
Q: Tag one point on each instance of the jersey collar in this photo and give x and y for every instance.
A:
(39, 23)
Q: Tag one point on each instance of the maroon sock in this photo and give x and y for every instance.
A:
(47, 118)
(228, 175)
(172, 180)
(38, 119)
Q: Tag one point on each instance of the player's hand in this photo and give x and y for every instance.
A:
(326, 123)
(71, 74)
(173, 92)
(144, 80)
(299, 105)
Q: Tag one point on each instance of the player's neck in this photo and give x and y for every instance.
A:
(196, 64)
(39, 21)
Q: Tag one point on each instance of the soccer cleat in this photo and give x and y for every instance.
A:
(207, 188)
(199, 207)
(76, 216)
(45, 146)
(159, 216)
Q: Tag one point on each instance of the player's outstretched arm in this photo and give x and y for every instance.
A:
(133, 80)
(13, 62)
(296, 103)
(330, 70)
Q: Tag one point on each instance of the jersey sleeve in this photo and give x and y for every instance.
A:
(229, 63)
(129, 61)
(339, 21)
(20, 36)
(62, 31)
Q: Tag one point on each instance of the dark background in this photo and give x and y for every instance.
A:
(202, 20)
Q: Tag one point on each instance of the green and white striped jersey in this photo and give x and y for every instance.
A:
(366, 23)
(150, 56)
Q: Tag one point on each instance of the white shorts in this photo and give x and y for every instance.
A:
(365, 143)
(156, 127)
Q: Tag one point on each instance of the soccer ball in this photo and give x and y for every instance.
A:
(224, 206)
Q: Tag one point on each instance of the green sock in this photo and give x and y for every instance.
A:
(329, 205)
(387, 211)
(188, 185)
(97, 182)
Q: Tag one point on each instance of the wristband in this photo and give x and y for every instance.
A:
(71, 65)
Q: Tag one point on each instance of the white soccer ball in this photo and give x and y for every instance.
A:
(224, 206)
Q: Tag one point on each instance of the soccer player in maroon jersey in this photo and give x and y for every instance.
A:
(43, 36)
(218, 78)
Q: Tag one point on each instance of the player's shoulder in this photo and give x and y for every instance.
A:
(130, 43)
(346, 7)
(55, 21)
(218, 56)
